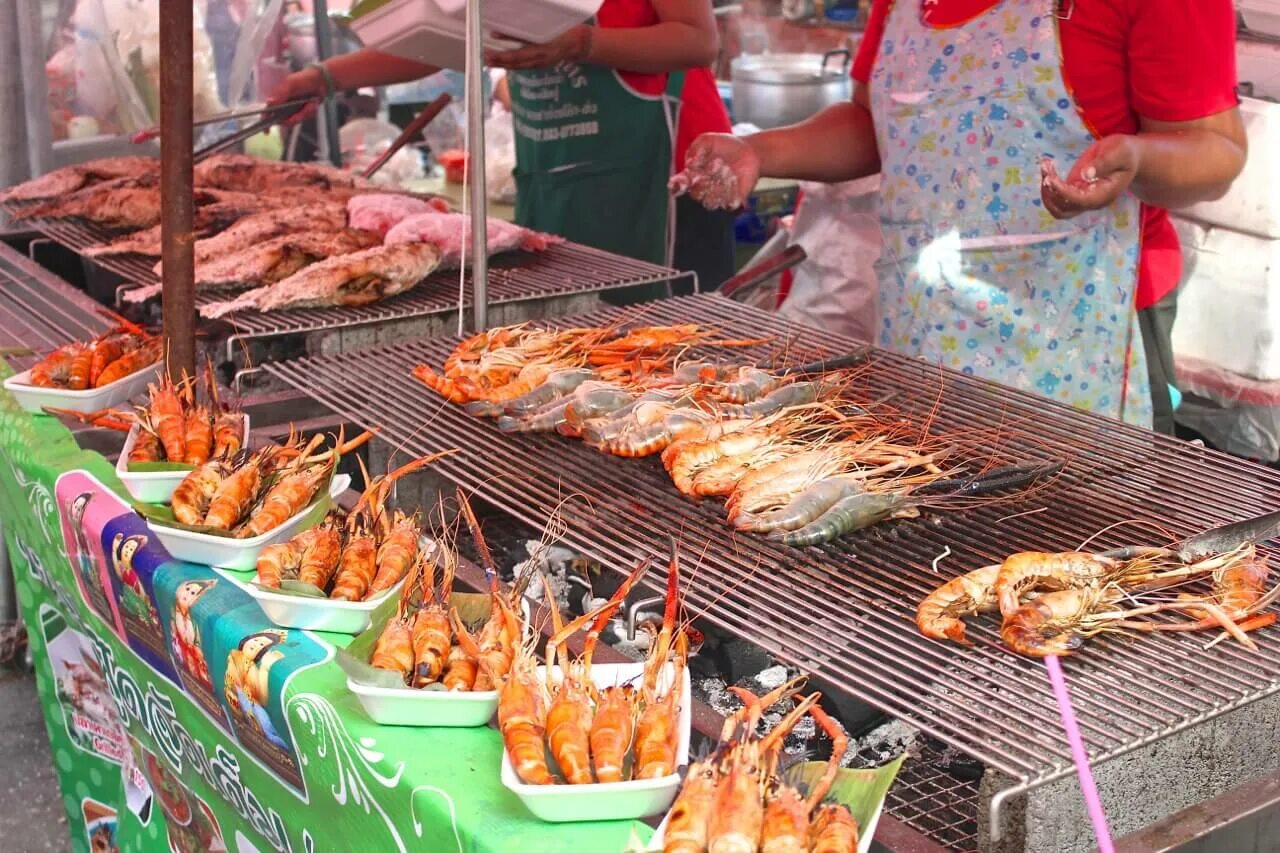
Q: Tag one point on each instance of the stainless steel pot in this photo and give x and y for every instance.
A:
(774, 89)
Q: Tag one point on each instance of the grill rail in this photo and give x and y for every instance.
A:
(40, 312)
(846, 611)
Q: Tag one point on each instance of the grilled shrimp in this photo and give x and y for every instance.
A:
(320, 555)
(855, 511)
(833, 830)
(199, 437)
(1030, 570)
(1053, 623)
(748, 385)
(131, 362)
(560, 382)
(396, 553)
(193, 496)
(279, 562)
(168, 418)
(612, 731)
(807, 507)
(54, 370)
(939, 616)
(691, 813)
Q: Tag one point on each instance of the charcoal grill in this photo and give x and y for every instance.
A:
(845, 611)
(39, 312)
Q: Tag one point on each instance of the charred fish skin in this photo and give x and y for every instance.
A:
(355, 279)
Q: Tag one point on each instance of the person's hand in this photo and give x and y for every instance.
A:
(307, 83)
(1103, 172)
(573, 46)
(720, 171)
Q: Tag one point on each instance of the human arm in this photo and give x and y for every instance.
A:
(685, 36)
(1165, 164)
(364, 67)
(836, 144)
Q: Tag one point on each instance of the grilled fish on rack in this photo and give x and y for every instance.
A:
(356, 279)
(279, 258)
(128, 204)
(209, 219)
(69, 179)
(451, 232)
(242, 173)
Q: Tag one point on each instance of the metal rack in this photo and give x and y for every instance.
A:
(845, 612)
(40, 312)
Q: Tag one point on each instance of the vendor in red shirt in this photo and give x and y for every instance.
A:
(599, 123)
(1028, 152)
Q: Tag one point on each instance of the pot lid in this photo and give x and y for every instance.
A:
(787, 68)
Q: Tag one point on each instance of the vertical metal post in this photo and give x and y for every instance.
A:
(35, 87)
(475, 167)
(14, 162)
(328, 113)
(176, 202)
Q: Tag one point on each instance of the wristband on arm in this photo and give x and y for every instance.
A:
(330, 84)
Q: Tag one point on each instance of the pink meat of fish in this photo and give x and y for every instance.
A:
(355, 279)
(380, 212)
(450, 232)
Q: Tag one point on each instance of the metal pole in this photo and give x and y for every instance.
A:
(176, 203)
(35, 87)
(475, 168)
(14, 161)
(328, 114)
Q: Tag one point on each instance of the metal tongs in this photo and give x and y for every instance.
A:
(1228, 537)
(231, 115)
(414, 127)
(273, 115)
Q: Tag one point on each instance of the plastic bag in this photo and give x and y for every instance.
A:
(106, 71)
(835, 288)
(365, 139)
(500, 156)
(1234, 413)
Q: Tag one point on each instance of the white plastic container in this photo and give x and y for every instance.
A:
(317, 614)
(1229, 307)
(434, 31)
(405, 706)
(1252, 205)
(241, 555)
(34, 399)
(153, 487)
(608, 800)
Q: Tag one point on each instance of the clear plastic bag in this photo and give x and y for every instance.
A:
(365, 139)
(104, 74)
(1234, 413)
(500, 156)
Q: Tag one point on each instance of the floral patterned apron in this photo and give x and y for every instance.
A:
(974, 272)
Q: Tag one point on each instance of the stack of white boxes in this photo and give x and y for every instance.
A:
(1227, 336)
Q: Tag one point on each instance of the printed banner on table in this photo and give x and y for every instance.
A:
(181, 719)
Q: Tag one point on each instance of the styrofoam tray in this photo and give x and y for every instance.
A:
(407, 706)
(608, 800)
(34, 399)
(242, 554)
(317, 614)
(154, 487)
(434, 31)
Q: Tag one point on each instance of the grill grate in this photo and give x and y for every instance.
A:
(846, 611)
(563, 269)
(40, 312)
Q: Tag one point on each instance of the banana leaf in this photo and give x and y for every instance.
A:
(862, 791)
(473, 609)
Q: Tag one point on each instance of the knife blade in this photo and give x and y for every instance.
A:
(1258, 530)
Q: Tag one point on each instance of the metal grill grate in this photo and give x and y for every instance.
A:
(40, 312)
(561, 270)
(79, 236)
(846, 611)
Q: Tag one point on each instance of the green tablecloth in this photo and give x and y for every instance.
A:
(178, 715)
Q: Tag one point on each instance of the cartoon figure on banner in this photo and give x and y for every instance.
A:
(135, 599)
(247, 682)
(83, 556)
(100, 826)
(186, 636)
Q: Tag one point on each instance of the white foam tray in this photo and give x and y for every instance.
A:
(223, 552)
(34, 399)
(154, 487)
(405, 706)
(1252, 205)
(434, 31)
(317, 614)
(608, 800)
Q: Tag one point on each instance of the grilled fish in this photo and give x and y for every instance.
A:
(128, 204)
(259, 227)
(69, 179)
(280, 257)
(355, 279)
(209, 219)
(451, 232)
(249, 174)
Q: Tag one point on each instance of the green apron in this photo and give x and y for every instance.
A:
(593, 159)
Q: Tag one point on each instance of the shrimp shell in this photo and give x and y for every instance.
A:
(852, 512)
(320, 556)
(785, 828)
(1030, 570)
(939, 616)
(284, 500)
(612, 731)
(569, 721)
(356, 569)
(559, 383)
(131, 362)
(395, 555)
(804, 509)
(690, 819)
(833, 830)
(199, 437)
(460, 669)
(192, 497)
(228, 434)
(279, 562)
(394, 649)
(1049, 624)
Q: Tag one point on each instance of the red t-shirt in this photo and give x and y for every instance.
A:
(1168, 60)
(702, 109)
